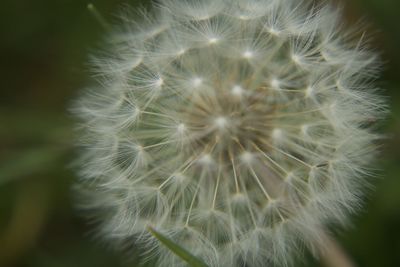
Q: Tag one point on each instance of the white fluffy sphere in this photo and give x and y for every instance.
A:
(238, 129)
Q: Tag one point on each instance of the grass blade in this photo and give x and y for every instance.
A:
(178, 250)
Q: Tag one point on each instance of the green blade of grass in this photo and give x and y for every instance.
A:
(178, 250)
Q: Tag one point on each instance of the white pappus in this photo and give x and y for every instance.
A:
(239, 129)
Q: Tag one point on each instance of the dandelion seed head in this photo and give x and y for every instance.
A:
(212, 40)
(237, 90)
(206, 159)
(248, 54)
(221, 122)
(196, 82)
(181, 128)
(159, 82)
(275, 83)
(247, 157)
(236, 128)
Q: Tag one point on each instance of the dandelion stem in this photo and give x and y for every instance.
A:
(334, 255)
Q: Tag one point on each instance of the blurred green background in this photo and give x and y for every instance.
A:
(43, 49)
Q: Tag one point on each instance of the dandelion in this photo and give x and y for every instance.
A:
(238, 129)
